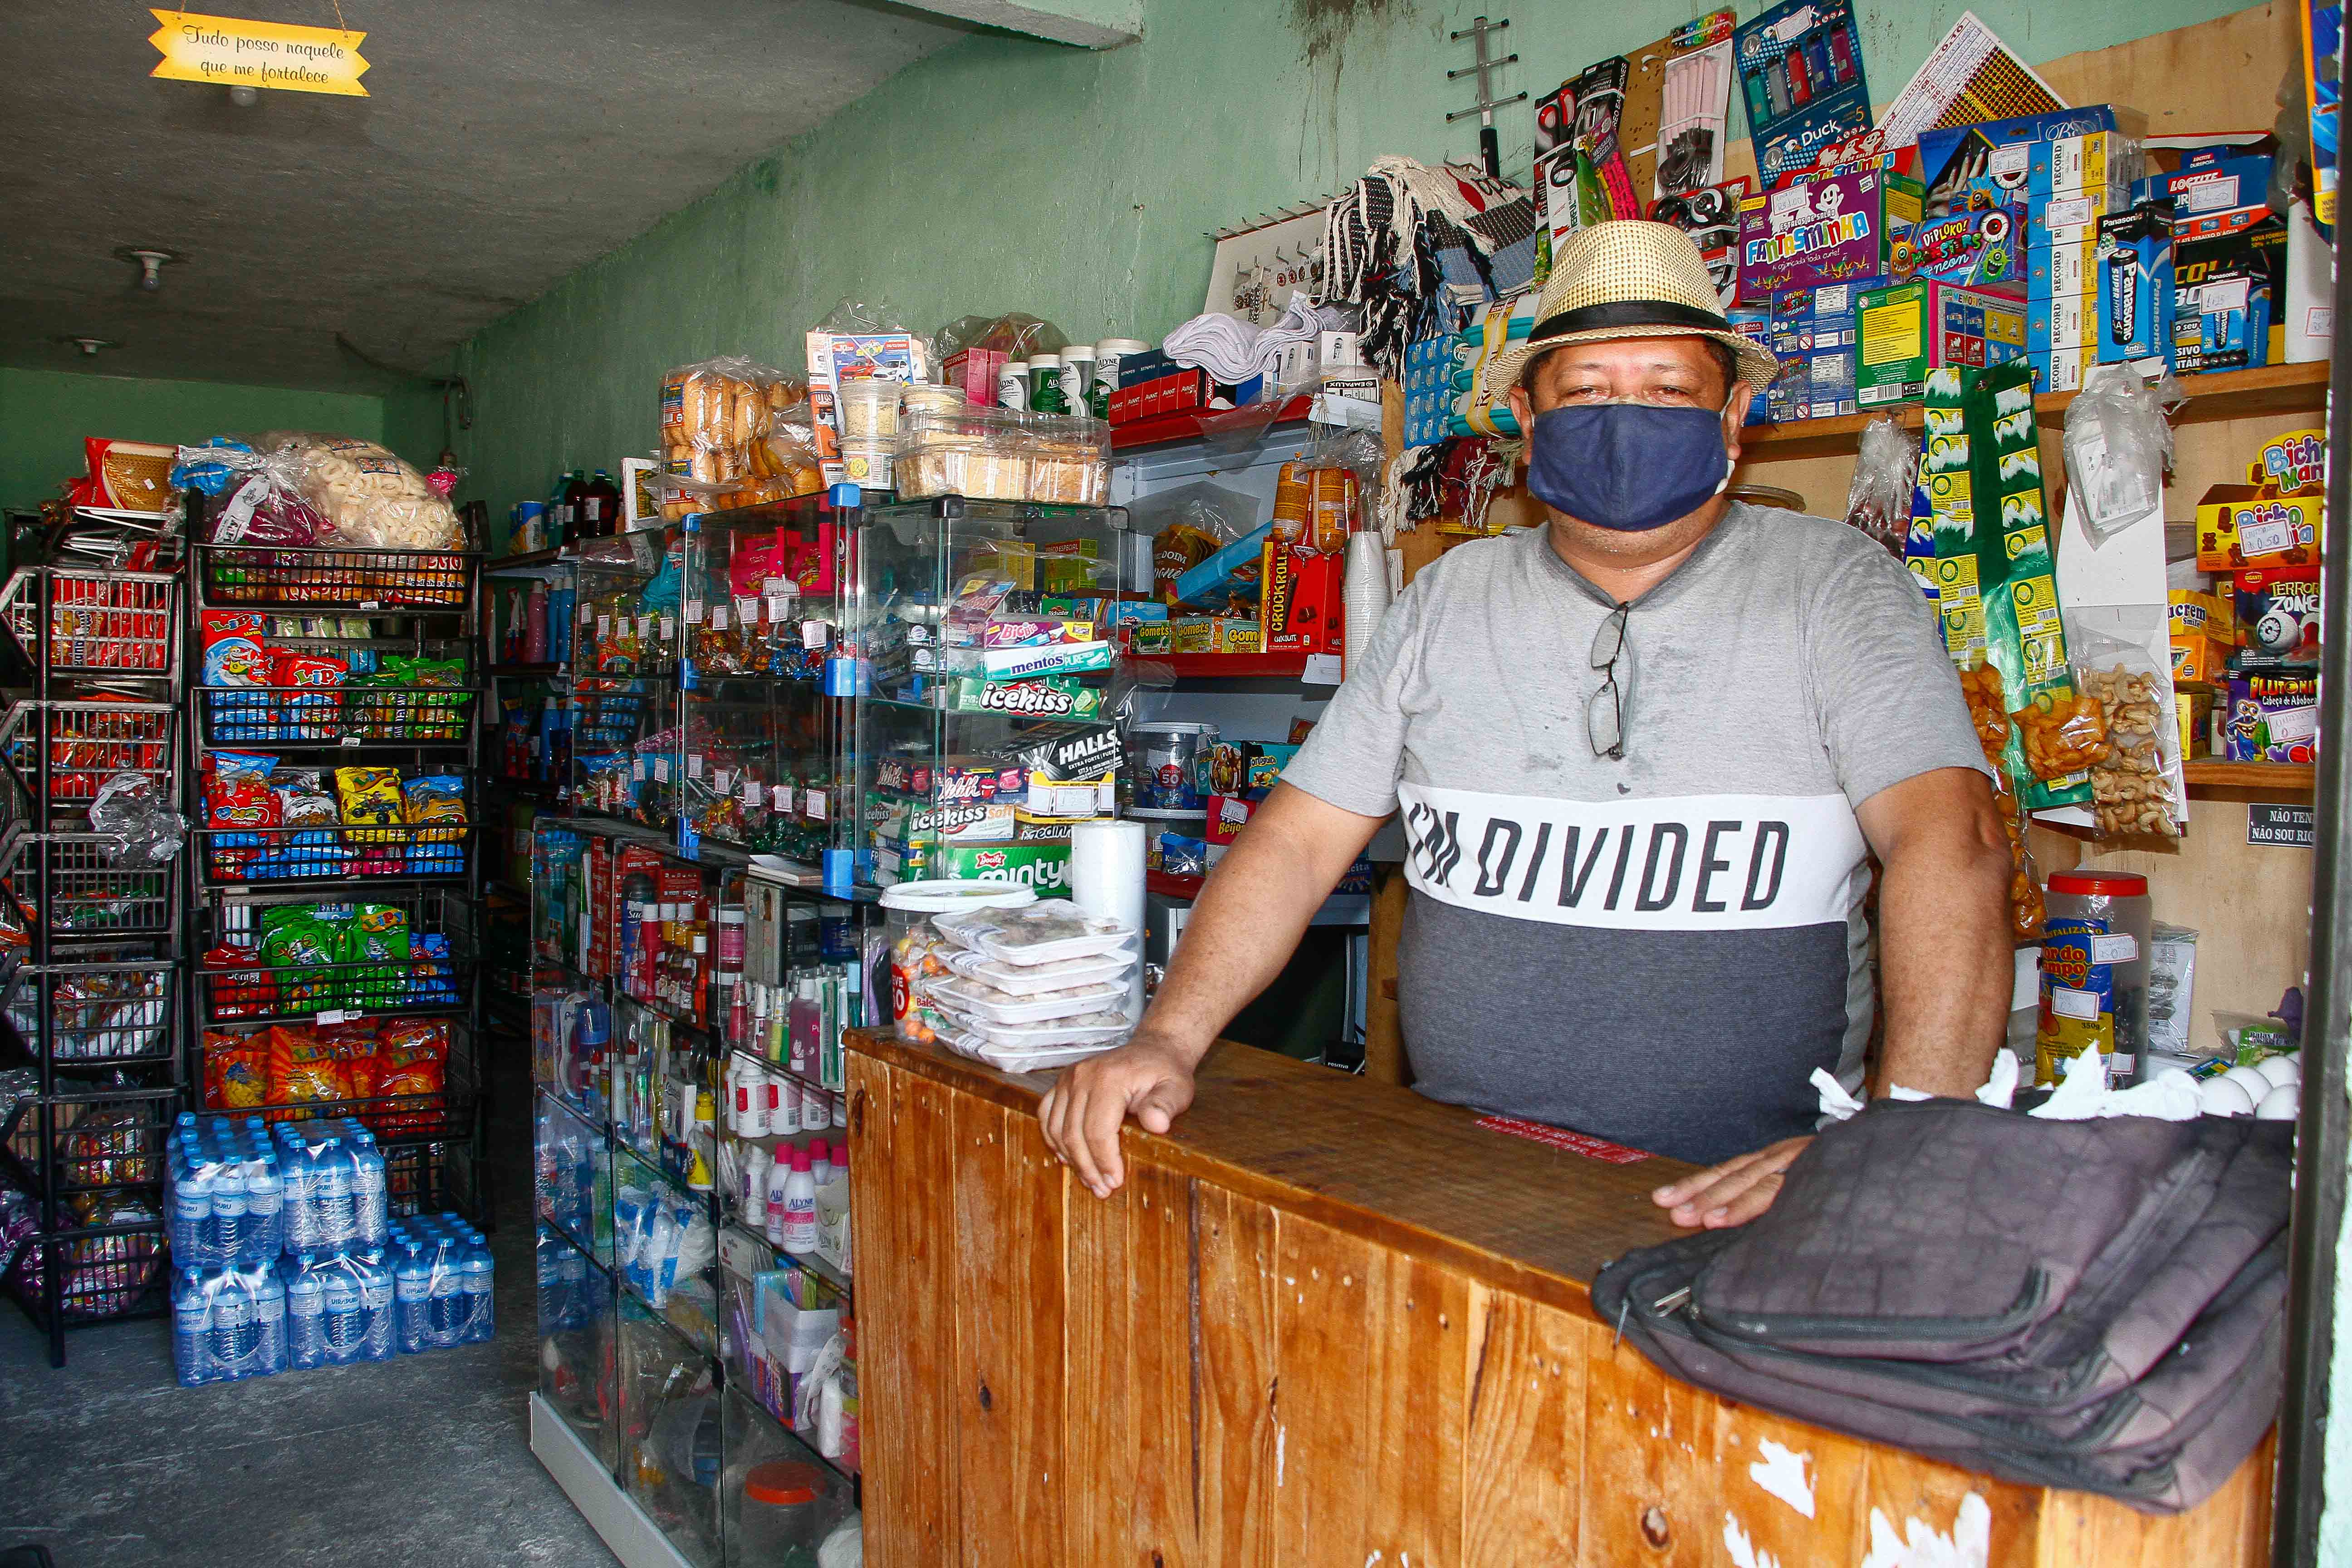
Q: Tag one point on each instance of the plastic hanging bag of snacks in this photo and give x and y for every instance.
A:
(2138, 789)
(1878, 501)
(2118, 446)
(368, 496)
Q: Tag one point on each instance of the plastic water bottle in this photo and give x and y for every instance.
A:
(265, 1209)
(370, 1204)
(331, 1197)
(553, 1306)
(229, 1213)
(269, 1320)
(236, 1331)
(192, 1331)
(192, 1209)
(446, 1310)
(580, 1304)
(345, 1324)
(377, 1306)
(480, 1282)
(299, 1202)
(412, 1302)
(305, 1314)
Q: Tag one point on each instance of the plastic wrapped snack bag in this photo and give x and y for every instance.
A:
(368, 497)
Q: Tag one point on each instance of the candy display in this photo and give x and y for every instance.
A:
(295, 960)
(265, 819)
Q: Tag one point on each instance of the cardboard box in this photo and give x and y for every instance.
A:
(1913, 328)
(2069, 165)
(2136, 283)
(976, 371)
(1981, 249)
(1299, 610)
(2240, 526)
(2056, 215)
(2202, 637)
(1837, 227)
(2225, 287)
(2278, 618)
(2071, 268)
(2213, 196)
(2067, 322)
(1228, 815)
(2061, 370)
(2271, 719)
(1960, 163)
(2193, 712)
(1817, 316)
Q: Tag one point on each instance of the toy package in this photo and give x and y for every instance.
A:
(1800, 68)
(2322, 89)
(2279, 620)
(1840, 226)
(2271, 719)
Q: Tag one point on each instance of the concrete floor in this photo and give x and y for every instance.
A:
(111, 1464)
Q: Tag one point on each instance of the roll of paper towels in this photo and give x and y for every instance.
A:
(1363, 595)
(1107, 882)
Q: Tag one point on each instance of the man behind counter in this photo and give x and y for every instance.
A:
(1641, 756)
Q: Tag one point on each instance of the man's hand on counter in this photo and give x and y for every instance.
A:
(1083, 1111)
(1732, 1192)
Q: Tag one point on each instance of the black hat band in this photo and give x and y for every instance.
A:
(1619, 313)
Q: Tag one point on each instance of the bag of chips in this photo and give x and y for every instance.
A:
(436, 798)
(371, 799)
(303, 951)
(310, 695)
(238, 802)
(302, 1068)
(236, 1070)
(238, 988)
(378, 937)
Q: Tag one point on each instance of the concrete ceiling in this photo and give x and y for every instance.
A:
(503, 144)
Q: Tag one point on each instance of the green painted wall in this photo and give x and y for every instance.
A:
(1006, 174)
(44, 415)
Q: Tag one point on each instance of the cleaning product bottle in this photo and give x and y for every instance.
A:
(800, 1206)
(779, 1176)
(534, 639)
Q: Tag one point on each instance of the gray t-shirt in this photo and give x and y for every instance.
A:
(1657, 949)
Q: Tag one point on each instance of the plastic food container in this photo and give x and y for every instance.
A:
(2094, 967)
(1170, 764)
(975, 1000)
(997, 454)
(867, 464)
(784, 1514)
(868, 410)
(907, 911)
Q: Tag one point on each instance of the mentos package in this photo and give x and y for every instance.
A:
(1837, 227)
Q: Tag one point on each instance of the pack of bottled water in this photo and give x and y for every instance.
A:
(286, 1254)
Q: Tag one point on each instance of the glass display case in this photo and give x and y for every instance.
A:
(674, 1342)
(988, 686)
(765, 715)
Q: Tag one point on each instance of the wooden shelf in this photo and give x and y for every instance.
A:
(2223, 394)
(2271, 781)
(1188, 426)
(1229, 665)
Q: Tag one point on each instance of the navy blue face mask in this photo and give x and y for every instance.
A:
(1627, 465)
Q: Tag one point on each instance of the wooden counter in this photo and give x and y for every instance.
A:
(1329, 1321)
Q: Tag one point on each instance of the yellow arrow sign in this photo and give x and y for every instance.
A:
(235, 53)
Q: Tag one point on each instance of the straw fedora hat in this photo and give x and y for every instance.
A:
(1628, 277)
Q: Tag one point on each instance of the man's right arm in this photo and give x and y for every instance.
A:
(1247, 921)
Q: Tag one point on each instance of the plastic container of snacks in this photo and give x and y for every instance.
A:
(914, 946)
(1169, 762)
(2094, 966)
(869, 411)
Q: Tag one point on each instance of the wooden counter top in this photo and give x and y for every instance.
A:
(1377, 1162)
(1327, 1323)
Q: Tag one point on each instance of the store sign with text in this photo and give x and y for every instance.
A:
(233, 52)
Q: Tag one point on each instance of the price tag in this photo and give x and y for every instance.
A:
(661, 769)
(694, 766)
(815, 633)
(699, 943)
(717, 619)
(330, 1016)
(2267, 538)
(750, 790)
(638, 769)
(587, 613)
(721, 778)
(694, 612)
(2120, 948)
(370, 605)
(780, 606)
(668, 628)
(350, 741)
(2081, 1005)
(604, 627)
(783, 799)
(778, 586)
(1322, 669)
(815, 805)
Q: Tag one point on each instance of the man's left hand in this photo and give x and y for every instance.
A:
(1734, 1191)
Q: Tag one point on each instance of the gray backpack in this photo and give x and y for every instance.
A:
(2096, 1305)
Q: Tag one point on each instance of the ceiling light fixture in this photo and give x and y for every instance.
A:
(90, 346)
(149, 261)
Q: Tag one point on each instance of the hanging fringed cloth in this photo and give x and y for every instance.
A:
(1414, 246)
